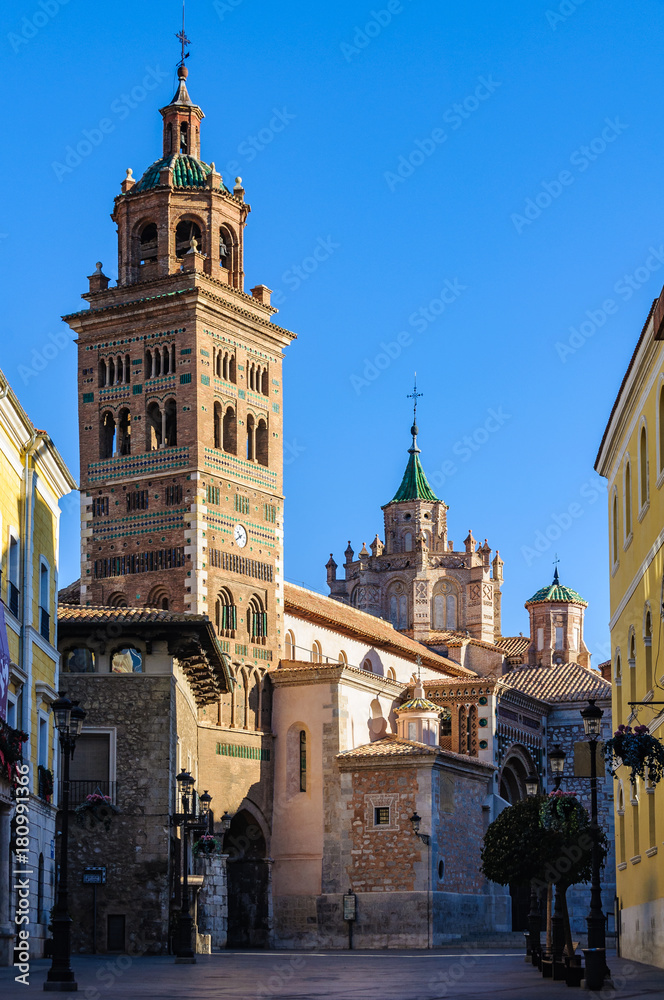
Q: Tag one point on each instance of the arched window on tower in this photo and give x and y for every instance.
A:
(230, 431)
(444, 607)
(408, 542)
(217, 425)
(102, 373)
(166, 361)
(171, 413)
(261, 443)
(316, 652)
(251, 438)
(232, 376)
(158, 598)
(257, 620)
(264, 386)
(399, 610)
(169, 139)
(111, 372)
(153, 427)
(148, 364)
(124, 432)
(289, 651)
(185, 232)
(184, 138)
(225, 249)
(156, 362)
(225, 614)
(107, 435)
(148, 244)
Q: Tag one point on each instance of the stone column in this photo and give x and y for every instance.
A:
(213, 898)
(6, 925)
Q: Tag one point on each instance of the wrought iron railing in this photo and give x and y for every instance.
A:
(79, 791)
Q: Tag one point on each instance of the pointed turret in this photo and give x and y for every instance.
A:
(182, 119)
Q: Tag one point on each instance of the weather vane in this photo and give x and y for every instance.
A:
(182, 39)
(414, 395)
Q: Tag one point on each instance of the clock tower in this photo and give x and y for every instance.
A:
(181, 407)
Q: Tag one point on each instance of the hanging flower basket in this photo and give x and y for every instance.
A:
(563, 813)
(206, 845)
(11, 750)
(638, 750)
(96, 808)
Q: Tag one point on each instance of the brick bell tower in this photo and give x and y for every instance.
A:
(180, 405)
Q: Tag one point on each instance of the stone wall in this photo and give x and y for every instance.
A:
(136, 848)
(212, 900)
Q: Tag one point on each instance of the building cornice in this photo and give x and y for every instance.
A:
(326, 673)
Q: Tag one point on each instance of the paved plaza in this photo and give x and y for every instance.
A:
(394, 975)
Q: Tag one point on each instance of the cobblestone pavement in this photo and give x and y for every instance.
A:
(394, 975)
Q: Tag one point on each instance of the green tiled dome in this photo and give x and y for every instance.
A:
(419, 705)
(414, 485)
(556, 592)
(188, 172)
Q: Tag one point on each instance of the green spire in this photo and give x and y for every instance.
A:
(414, 485)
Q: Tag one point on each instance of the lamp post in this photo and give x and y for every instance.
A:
(557, 759)
(69, 722)
(185, 953)
(592, 724)
(426, 839)
(534, 917)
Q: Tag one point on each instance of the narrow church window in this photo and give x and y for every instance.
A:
(628, 500)
(111, 372)
(217, 425)
(559, 638)
(575, 636)
(230, 431)
(382, 816)
(261, 443)
(408, 542)
(251, 438)
(303, 761)
(171, 422)
(185, 232)
(148, 244)
(412, 731)
(148, 364)
(225, 250)
(153, 427)
(316, 652)
(156, 362)
(290, 646)
(256, 620)
(643, 469)
(264, 383)
(102, 373)
(540, 639)
(368, 665)
(107, 436)
(124, 432)
(343, 659)
(615, 528)
(184, 138)
(169, 138)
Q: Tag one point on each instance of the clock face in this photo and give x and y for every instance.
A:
(240, 535)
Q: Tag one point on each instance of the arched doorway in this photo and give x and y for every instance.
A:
(248, 883)
(517, 765)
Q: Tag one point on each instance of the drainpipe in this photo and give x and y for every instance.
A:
(26, 658)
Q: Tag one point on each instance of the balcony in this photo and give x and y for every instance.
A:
(12, 598)
(79, 790)
(44, 624)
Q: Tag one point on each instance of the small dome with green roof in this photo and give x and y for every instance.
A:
(556, 592)
(188, 172)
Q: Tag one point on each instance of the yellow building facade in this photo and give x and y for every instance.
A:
(631, 457)
(33, 479)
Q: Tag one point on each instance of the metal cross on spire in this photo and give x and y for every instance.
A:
(183, 40)
(415, 395)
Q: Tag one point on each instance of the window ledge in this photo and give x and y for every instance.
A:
(660, 480)
(621, 866)
(644, 510)
(635, 860)
(628, 541)
(616, 567)
(651, 852)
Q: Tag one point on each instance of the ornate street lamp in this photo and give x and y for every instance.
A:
(69, 722)
(185, 954)
(557, 759)
(592, 724)
(532, 785)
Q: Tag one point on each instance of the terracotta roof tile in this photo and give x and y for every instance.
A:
(513, 645)
(82, 613)
(563, 682)
(333, 614)
(395, 746)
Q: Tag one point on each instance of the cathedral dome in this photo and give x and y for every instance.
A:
(188, 172)
(556, 592)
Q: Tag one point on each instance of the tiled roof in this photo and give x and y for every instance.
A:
(414, 485)
(70, 594)
(92, 614)
(513, 645)
(556, 592)
(358, 624)
(188, 172)
(390, 746)
(449, 637)
(562, 682)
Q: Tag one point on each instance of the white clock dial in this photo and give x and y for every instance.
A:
(240, 535)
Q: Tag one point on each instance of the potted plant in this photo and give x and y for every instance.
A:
(45, 782)
(11, 750)
(96, 808)
(638, 750)
(205, 846)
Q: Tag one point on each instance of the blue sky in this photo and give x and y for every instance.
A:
(478, 180)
